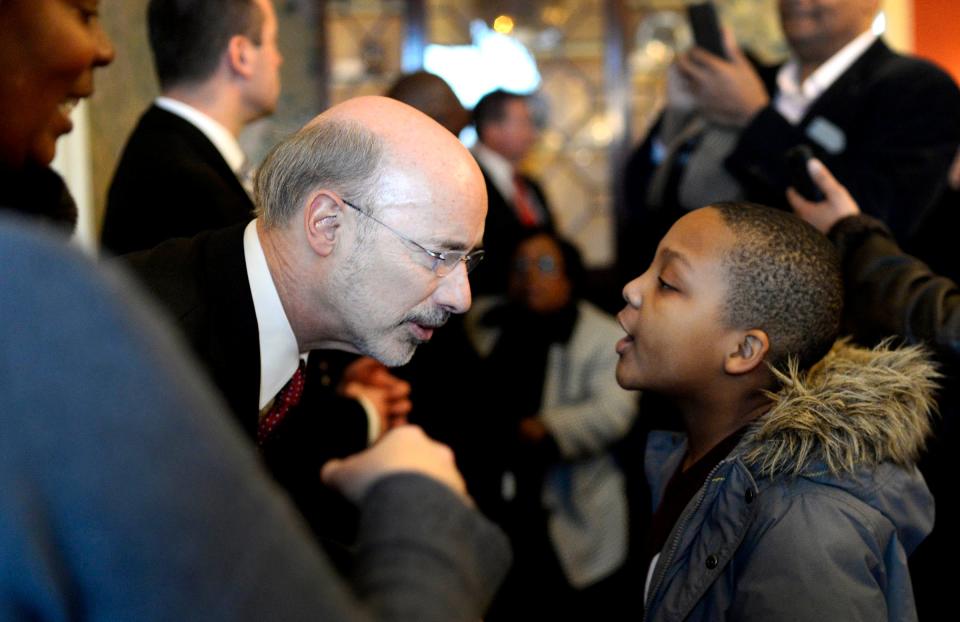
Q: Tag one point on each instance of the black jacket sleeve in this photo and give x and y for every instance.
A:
(892, 293)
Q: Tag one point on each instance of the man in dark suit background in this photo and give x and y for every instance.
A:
(182, 169)
(887, 124)
(365, 217)
(506, 132)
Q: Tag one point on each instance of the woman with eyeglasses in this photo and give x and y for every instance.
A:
(557, 410)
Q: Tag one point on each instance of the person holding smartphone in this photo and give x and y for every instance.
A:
(888, 125)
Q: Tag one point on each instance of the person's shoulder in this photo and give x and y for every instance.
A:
(881, 501)
(904, 71)
(177, 255)
(182, 272)
(167, 139)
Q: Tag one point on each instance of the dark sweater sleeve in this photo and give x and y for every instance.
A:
(892, 293)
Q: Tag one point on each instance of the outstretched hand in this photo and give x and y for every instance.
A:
(837, 205)
(372, 380)
(403, 450)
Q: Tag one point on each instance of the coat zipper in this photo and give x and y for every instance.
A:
(675, 541)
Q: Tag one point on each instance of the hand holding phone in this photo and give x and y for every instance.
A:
(706, 28)
(797, 158)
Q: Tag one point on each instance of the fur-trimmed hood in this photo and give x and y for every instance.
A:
(856, 408)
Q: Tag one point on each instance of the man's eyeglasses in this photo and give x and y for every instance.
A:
(443, 263)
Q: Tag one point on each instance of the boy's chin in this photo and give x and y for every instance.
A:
(626, 381)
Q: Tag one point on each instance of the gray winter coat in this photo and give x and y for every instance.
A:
(813, 514)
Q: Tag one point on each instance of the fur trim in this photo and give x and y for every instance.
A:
(856, 407)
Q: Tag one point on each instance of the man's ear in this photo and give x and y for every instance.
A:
(321, 221)
(752, 348)
(240, 52)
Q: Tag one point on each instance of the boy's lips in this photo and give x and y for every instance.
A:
(625, 342)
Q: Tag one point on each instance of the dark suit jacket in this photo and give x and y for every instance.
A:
(898, 116)
(901, 120)
(502, 232)
(202, 281)
(171, 182)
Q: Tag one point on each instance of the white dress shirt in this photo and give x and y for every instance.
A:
(498, 168)
(501, 173)
(279, 352)
(794, 98)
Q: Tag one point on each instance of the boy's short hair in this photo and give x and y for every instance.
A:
(784, 278)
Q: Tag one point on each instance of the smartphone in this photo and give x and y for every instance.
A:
(797, 158)
(706, 28)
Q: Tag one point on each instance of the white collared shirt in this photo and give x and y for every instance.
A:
(498, 168)
(279, 352)
(793, 99)
(225, 142)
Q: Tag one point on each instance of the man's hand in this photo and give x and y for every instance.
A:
(405, 449)
(728, 92)
(837, 205)
(389, 395)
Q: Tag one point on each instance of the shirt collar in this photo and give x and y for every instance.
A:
(225, 142)
(279, 352)
(498, 168)
(788, 78)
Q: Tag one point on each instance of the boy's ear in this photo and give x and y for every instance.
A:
(752, 348)
(321, 221)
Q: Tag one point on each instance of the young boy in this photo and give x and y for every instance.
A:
(792, 495)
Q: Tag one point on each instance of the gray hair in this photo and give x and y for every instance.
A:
(340, 155)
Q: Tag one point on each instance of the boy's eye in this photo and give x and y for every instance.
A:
(88, 11)
(666, 286)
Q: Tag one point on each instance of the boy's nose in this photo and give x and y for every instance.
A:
(631, 293)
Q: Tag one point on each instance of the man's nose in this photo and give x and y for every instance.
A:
(453, 293)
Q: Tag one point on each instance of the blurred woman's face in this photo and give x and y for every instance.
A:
(48, 51)
(539, 279)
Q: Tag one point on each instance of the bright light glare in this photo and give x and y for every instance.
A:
(503, 24)
(493, 61)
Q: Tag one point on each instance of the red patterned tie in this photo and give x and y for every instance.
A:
(521, 202)
(287, 398)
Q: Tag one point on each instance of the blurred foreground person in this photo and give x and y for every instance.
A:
(128, 494)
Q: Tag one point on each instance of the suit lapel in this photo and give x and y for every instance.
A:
(235, 345)
(201, 149)
(849, 85)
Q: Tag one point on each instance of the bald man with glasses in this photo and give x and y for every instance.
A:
(368, 221)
